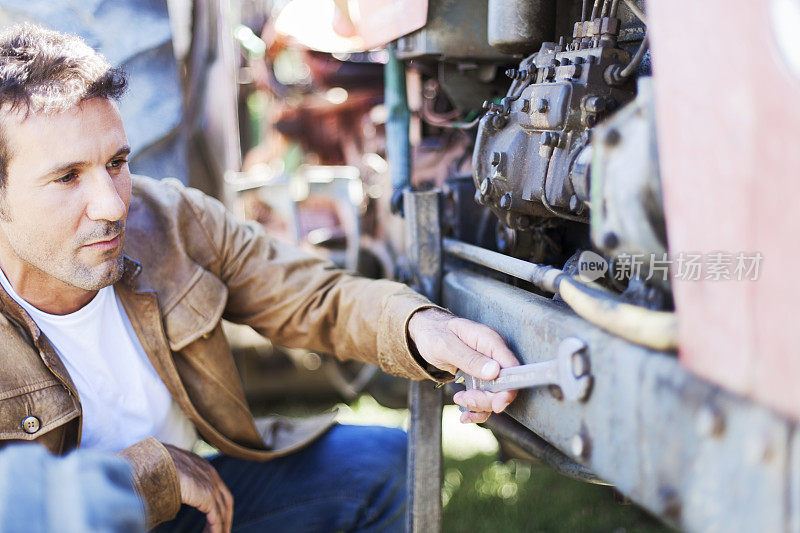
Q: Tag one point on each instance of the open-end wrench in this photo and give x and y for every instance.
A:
(569, 371)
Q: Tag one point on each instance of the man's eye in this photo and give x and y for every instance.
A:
(117, 163)
(68, 178)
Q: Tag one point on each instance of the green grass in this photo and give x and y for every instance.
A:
(482, 494)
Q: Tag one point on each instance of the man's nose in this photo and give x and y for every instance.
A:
(105, 202)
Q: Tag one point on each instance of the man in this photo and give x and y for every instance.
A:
(113, 288)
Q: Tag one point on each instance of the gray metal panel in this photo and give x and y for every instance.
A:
(700, 458)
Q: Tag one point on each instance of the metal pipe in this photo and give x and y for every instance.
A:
(596, 9)
(635, 10)
(542, 276)
(654, 329)
(606, 5)
(517, 434)
(614, 8)
(398, 148)
(584, 10)
(637, 58)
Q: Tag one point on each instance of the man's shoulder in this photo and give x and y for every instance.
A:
(166, 229)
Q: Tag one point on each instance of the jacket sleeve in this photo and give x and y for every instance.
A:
(302, 301)
(155, 479)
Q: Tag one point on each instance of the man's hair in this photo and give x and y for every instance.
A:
(49, 72)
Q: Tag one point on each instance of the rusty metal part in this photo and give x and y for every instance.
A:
(627, 183)
(529, 146)
(455, 29)
(569, 371)
(424, 511)
(520, 26)
(639, 429)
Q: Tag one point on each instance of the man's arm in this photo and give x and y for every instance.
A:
(165, 477)
(299, 300)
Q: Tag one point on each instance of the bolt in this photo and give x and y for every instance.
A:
(499, 122)
(506, 200)
(515, 74)
(551, 139)
(575, 71)
(486, 187)
(670, 503)
(549, 73)
(555, 63)
(710, 422)
(542, 105)
(610, 240)
(758, 449)
(595, 104)
(556, 392)
(612, 137)
(579, 60)
(526, 106)
(580, 364)
(580, 446)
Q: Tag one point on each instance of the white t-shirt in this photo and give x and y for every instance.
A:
(123, 399)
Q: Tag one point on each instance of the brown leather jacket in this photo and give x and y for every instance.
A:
(195, 264)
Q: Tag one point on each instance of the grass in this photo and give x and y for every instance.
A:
(482, 494)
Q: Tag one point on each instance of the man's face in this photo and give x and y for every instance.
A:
(63, 208)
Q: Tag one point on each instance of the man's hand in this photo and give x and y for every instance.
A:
(451, 343)
(202, 488)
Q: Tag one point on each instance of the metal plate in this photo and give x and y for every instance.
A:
(698, 457)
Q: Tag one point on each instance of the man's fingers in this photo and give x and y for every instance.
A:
(474, 400)
(468, 417)
(484, 340)
(501, 400)
(472, 362)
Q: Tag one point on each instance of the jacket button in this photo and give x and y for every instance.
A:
(31, 424)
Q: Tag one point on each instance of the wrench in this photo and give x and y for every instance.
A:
(569, 371)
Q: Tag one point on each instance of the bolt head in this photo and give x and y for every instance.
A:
(613, 137)
(505, 201)
(710, 422)
(579, 445)
(574, 203)
(610, 240)
(542, 105)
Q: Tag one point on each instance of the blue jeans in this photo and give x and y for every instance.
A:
(352, 479)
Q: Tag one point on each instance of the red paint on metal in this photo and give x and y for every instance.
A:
(728, 115)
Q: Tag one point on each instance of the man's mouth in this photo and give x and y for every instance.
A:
(105, 244)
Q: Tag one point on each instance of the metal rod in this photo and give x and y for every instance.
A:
(398, 148)
(596, 9)
(606, 5)
(542, 276)
(517, 434)
(584, 10)
(637, 58)
(635, 10)
(614, 8)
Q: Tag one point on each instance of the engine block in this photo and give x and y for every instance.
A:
(533, 149)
